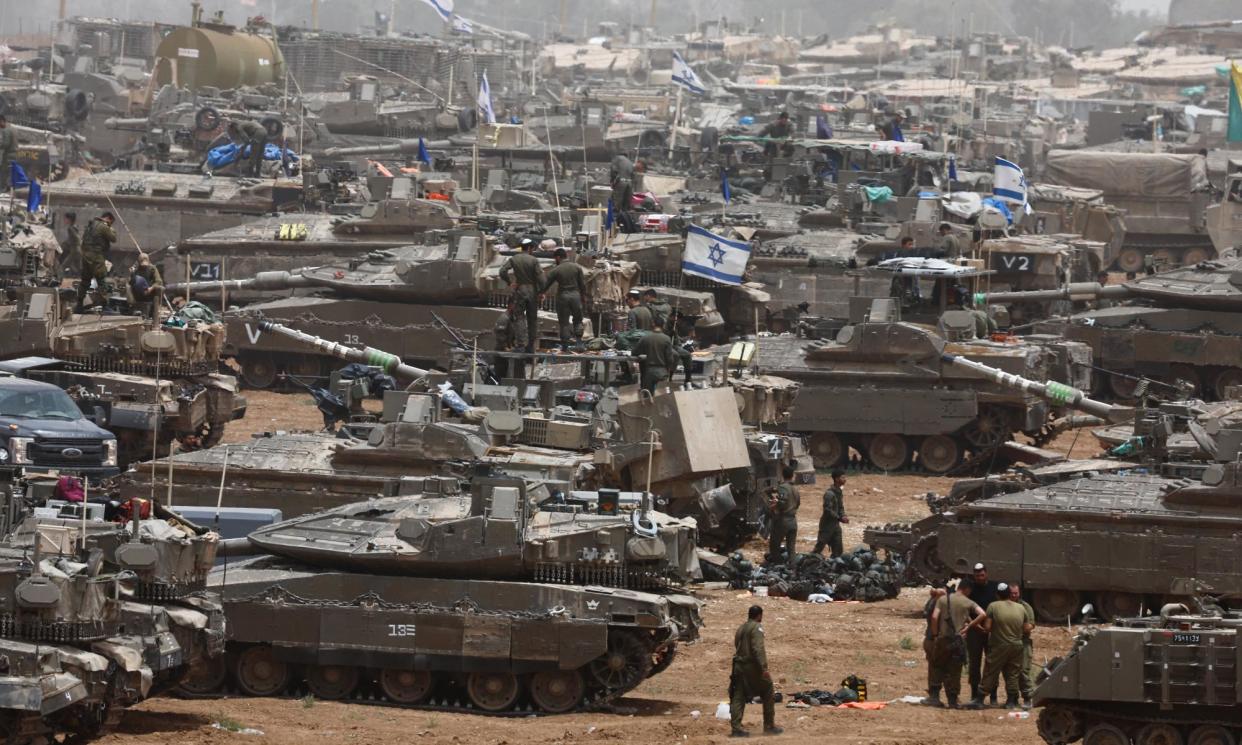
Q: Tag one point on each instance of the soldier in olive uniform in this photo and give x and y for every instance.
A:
(146, 286)
(8, 151)
(833, 516)
(662, 313)
(639, 317)
(783, 504)
(660, 360)
(949, 621)
(250, 133)
(524, 277)
(96, 248)
(750, 676)
(949, 245)
(505, 339)
(71, 248)
(1026, 681)
(1006, 623)
(571, 287)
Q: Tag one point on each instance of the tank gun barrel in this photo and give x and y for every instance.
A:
(1072, 291)
(389, 363)
(260, 281)
(1053, 391)
(396, 148)
(133, 123)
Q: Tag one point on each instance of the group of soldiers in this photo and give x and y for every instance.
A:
(986, 626)
(783, 504)
(92, 248)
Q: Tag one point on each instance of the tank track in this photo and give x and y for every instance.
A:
(1125, 720)
(84, 721)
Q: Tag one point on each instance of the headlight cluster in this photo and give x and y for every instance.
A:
(18, 451)
(109, 453)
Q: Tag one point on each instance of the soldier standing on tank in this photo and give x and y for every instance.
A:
(659, 358)
(662, 315)
(750, 676)
(983, 592)
(523, 276)
(639, 317)
(783, 504)
(833, 517)
(71, 247)
(96, 250)
(1005, 623)
(250, 133)
(571, 287)
(8, 152)
(949, 621)
(505, 339)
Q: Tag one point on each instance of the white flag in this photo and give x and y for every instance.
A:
(711, 256)
(443, 8)
(1009, 183)
(686, 77)
(485, 100)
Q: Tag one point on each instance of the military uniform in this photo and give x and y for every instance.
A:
(830, 522)
(96, 247)
(984, 325)
(623, 204)
(71, 249)
(660, 359)
(977, 638)
(750, 662)
(571, 288)
(950, 246)
(1005, 649)
(254, 135)
(154, 286)
(639, 318)
(783, 528)
(505, 336)
(8, 152)
(1026, 681)
(525, 273)
(945, 669)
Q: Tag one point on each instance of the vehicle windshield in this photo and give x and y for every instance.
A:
(38, 405)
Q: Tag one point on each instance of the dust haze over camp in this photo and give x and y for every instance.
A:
(546, 371)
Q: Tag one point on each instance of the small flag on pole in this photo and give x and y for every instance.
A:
(1009, 183)
(443, 8)
(952, 168)
(724, 186)
(714, 257)
(423, 155)
(686, 77)
(608, 217)
(462, 25)
(485, 100)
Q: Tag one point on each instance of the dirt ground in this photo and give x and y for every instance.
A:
(809, 646)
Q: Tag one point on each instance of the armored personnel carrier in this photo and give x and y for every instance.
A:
(1182, 329)
(1167, 678)
(475, 598)
(99, 614)
(894, 389)
(148, 383)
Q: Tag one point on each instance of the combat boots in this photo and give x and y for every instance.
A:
(773, 730)
(1011, 701)
(975, 703)
(737, 732)
(992, 699)
(953, 702)
(933, 697)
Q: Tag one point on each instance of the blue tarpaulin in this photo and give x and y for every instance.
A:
(999, 206)
(226, 154)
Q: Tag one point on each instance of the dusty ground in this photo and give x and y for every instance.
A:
(809, 646)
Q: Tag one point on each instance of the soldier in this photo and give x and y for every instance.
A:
(96, 248)
(571, 287)
(950, 620)
(660, 310)
(639, 317)
(983, 592)
(833, 516)
(1026, 681)
(250, 133)
(146, 286)
(1102, 303)
(1005, 623)
(950, 248)
(505, 339)
(8, 151)
(523, 276)
(71, 248)
(780, 129)
(934, 594)
(623, 204)
(750, 676)
(660, 359)
(783, 504)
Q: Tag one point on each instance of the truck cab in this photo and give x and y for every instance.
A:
(41, 428)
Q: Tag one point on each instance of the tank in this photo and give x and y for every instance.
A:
(148, 383)
(1161, 336)
(565, 602)
(892, 390)
(1166, 678)
(101, 613)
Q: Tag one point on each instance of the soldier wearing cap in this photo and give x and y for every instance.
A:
(521, 272)
(1006, 623)
(146, 286)
(983, 591)
(571, 288)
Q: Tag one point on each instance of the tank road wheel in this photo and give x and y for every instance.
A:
(662, 658)
(405, 686)
(1058, 725)
(1224, 380)
(939, 453)
(493, 691)
(1123, 385)
(888, 452)
(557, 692)
(1130, 260)
(206, 677)
(827, 449)
(1114, 605)
(332, 682)
(1185, 375)
(1159, 734)
(1105, 734)
(989, 429)
(1196, 255)
(259, 673)
(1165, 257)
(1211, 734)
(258, 371)
(925, 559)
(624, 665)
(1055, 605)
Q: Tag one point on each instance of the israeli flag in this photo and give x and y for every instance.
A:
(711, 256)
(686, 77)
(443, 8)
(485, 100)
(463, 25)
(1009, 183)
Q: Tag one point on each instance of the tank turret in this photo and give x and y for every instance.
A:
(1209, 285)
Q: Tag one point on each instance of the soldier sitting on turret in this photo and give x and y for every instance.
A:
(146, 286)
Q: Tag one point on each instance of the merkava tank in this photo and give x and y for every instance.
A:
(1116, 539)
(893, 389)
(1183, 328)
(150, 383)
(388, 299)
(1167, 678)
(100, 614)
(493, 597)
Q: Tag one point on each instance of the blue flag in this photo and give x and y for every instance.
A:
(952, 168)
(34, 197)
(608, 217)
(423, 155)
(724, 186)
(17, 175)
(897, 135)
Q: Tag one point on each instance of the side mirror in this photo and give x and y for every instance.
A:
(1087, 610)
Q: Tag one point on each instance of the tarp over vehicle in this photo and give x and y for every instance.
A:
(1137, 174)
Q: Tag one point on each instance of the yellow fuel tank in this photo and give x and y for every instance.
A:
(217, 56)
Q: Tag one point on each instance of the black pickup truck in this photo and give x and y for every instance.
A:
(41, 429)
